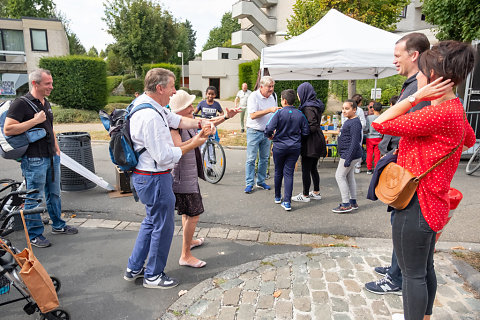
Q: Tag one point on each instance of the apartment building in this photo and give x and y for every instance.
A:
(264, 23)
(22, 43)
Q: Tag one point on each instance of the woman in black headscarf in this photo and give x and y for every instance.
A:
(313, 146)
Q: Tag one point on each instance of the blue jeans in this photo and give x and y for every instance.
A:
(394, 272)
(256, 142)
(414, 244)
(156, 231)
(38, 175)
(284, 167)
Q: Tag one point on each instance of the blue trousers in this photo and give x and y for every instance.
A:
(284, 160)
(42, 174)
(156, 231)
(256, 143)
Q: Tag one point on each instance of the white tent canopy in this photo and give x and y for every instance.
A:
(336, 48)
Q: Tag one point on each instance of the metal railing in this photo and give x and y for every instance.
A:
(473, 118)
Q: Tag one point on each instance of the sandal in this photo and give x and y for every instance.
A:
(197, 243)
(198, 264)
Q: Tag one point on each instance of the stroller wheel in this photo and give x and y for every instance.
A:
(56, 283)
(58, 314)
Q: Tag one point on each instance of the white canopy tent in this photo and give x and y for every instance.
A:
(336, 48)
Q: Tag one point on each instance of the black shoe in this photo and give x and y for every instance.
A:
(382, 270)
(383, 286)
(131, 275)
(65, 230)
(40, 242)
(162, 281)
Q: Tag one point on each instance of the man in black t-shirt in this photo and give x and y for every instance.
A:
(41, 163)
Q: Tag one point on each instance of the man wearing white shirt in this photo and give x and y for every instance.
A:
(261, 105)
(152, 180)
(241, 101)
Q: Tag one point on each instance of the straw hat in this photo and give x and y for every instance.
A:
(180, 101)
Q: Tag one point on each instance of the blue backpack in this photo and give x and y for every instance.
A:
(121, 148)
(14, 147)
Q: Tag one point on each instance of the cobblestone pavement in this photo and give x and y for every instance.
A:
(326, 283)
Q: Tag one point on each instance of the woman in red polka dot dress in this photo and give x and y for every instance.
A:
(428, 135)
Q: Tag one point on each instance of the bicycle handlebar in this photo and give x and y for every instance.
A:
(26, 212)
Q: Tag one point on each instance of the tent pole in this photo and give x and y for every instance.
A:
(375, 92)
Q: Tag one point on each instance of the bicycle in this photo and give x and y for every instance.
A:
(213, 159)
(474, 162)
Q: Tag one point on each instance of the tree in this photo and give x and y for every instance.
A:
(455, 19)
(76, 47)
(92, 52)
(143, 31)
(185, 43)
(219, 36)
(383, 14)
(28, 8)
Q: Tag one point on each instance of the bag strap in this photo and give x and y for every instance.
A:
(439, 162)
(31, 104)
(26, 231)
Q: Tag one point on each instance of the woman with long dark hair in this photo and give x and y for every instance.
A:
(428, 135)
(313, 145)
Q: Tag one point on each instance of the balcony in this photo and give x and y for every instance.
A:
(251, 11)
(12, 61)
(265, 3)
(250, 39)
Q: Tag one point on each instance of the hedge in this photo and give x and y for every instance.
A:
(320, 86)
(133, 85)
(128, 76)
(174, 68)
(113, 82)
(80, 82)
(248, 73)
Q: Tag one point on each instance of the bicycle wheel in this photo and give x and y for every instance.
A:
(474, 162)
(214, 161)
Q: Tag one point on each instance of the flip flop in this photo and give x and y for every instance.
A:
(197, 243)
(199, 264)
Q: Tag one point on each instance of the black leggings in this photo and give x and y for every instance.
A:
(309, 168)
(414, 243)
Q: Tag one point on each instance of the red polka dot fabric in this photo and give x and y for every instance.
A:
(428, 135)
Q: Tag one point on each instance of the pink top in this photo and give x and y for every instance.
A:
(428, 135)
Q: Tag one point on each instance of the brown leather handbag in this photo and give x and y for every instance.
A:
(397, 185)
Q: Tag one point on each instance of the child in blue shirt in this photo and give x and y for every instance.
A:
(350, 154)
(286, 128)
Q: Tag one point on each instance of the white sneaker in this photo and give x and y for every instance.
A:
(398, 316)
(300, 198)
(313, 195)
(357, 170)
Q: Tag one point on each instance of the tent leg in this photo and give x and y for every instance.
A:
(375, 92)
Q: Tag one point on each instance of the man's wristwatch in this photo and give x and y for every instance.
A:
(412, 100)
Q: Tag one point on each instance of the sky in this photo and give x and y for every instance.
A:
(86, 18)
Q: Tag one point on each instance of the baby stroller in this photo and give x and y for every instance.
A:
(12, 263)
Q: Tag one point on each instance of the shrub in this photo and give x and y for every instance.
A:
(198, 93)
(186, 90)
(247, 72)
(128, 76)
(113, 82)
(133, 85)
(109, 107)
(67, 115)
(320, 86)
(174, 68)
(80, 82)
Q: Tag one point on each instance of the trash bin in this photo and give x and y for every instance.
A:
(76, 145)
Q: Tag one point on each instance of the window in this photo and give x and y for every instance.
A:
(224, 55)
(239, 56)
(39, 40)
(423, 17)
(11, 40)
(403, 14)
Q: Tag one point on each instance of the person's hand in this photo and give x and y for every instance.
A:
(274, 109)
(206, 123)
(434, 90)
(232, 112)
(395, 152)
(39, 117)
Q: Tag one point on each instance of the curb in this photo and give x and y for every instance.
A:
(468, 273)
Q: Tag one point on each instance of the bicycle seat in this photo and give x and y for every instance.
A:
(7, 262)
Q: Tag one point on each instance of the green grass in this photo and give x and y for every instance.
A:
(120, 99)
